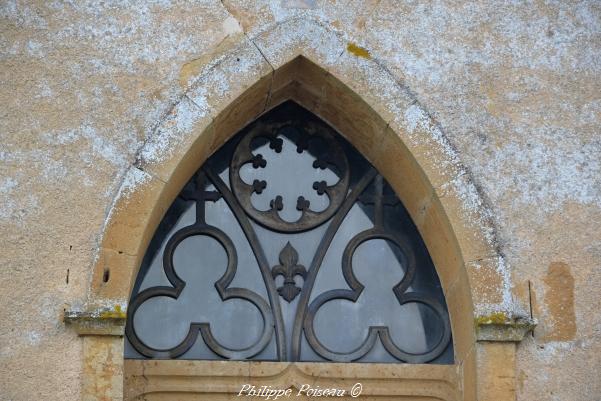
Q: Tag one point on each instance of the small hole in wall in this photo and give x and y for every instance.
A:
(106, 275)
(237, 58)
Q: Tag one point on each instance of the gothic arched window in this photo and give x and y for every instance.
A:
(287, 245)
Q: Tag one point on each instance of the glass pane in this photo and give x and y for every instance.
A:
(287, 245)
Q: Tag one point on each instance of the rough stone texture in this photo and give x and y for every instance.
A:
(83, 84)
(514, 87)
(102, 369)
(496, 380)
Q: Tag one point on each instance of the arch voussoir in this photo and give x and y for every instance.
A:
(304, 61)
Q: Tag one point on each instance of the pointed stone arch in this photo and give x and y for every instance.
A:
(304, 61)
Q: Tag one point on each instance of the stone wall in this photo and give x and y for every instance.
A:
(513, 87)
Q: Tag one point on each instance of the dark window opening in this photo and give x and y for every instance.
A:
(287, 245)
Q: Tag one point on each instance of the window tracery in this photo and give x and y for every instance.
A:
(288, 245)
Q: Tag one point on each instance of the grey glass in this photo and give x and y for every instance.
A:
(287, 245)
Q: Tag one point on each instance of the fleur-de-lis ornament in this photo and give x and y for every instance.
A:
(289, 269)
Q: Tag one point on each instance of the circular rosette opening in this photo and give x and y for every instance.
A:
(314, 186)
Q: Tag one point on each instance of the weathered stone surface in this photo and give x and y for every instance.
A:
(499, 328)
(97, 322)
(511, 89)
(102, 378)
(84, 83)
(209, 380)
(496, 375)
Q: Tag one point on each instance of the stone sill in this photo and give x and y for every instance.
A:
(111, 322)
(99, 322)
(178, 379)
(506, 331)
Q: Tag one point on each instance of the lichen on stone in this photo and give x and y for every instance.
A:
(358, 50)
